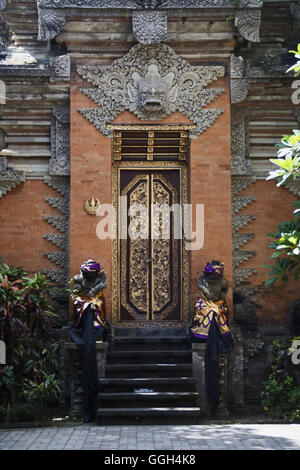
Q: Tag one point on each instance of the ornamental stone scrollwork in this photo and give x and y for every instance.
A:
(239, 83)
(59, 163)
(3, 164)
(50, 23)
(152, 82)
(58, 258)
(149, 27)
(238, 239)
(59, 203)
(241, 256)
(9, 178)
(59, 240)
(60, 68)
(248, 24)
(295, 10)
(61, 185)
(239, 203)
(242, 275)
(149, 4)
(60, 222)
(240, 183)
(5, 34)
(240, 161)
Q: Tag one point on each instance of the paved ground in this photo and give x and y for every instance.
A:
(209, 437)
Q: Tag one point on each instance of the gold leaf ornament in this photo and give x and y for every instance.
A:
(92, 205)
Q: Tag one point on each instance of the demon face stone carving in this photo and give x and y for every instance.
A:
(153, 96)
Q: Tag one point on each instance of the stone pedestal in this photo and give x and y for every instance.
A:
(71, 374)
(198, 355)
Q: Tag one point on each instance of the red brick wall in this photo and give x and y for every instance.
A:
(272, 206)
(90, 177)
(211, 185)
(22, 226)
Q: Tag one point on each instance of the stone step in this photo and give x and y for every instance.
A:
(162, 343)
(144, 399)
(148, 370)
(157, 384)
(142, 356)
(142, 416)
(150, 331)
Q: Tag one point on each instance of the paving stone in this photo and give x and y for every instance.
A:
(233, 437)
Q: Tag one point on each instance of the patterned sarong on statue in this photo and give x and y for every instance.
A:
(205, 311)
(96, 303)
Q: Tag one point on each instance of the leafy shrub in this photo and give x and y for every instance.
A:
(31, 373)
(287, 240)
(286, 243)
(281, 396)
(22, 412)
(296, 66)
(45, 391)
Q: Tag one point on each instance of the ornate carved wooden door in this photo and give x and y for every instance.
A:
(150, 245)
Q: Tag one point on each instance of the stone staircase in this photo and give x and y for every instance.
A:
(148, 378)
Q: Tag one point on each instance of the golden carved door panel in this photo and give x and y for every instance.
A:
(148, 279)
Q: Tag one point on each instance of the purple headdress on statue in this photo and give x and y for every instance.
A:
(214, 269)
(90, 266)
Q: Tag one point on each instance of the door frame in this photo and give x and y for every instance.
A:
(185, 258)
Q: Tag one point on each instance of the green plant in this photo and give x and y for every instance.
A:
(38, 304)
(12, 273)
(22, 412)
(72, 290)
(44, 392)
(43, 361)
(12, 316)
(288, 159)
(296, 66)
(41, 382)
(286, 243)
(281, 395)
(25, 309)
(7, 384)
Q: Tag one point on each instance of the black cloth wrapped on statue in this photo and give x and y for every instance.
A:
(210, 325)
(85, 335)
(90, 327)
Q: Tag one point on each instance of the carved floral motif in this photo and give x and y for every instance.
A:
(149, 27)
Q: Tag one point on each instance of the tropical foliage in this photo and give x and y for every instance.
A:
(281, 395)
(296, 66)
(286, 239)
(29, 379)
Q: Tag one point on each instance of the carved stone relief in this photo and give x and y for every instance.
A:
(149, 27)
(131, 4)
(240, 161)
(50, 23)
(59, 163)
(9, 178)
(248, 24)
(61, 223)
(241, 275)
(239, 83)
(52, 16)
(60, 68)
(152, 82)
